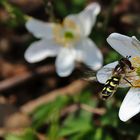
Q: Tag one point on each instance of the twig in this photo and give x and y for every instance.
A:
(26, 109)
(69, 109)
(99, 111)
(41, 137)
(73, 88)
(12, 82)
(75, 107)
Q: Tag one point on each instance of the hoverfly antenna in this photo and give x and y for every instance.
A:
(128, 56)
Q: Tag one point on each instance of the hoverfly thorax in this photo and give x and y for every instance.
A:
(122, 66)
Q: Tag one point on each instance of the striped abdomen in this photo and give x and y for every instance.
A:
(110, 87)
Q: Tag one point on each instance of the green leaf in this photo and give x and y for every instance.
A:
(78, 2)
(28, 135)
(77, 123)
(110, 118)
(76, 126)
(49, 112)
(64, 8)
(98, 134)
(112, 56)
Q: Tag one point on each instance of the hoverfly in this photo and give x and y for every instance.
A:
(118, 73)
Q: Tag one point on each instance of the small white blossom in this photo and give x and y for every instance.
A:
(68, 41)
(126, 46)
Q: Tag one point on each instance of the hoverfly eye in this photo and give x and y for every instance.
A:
(125, 62)
(128, 56)
(128, 63)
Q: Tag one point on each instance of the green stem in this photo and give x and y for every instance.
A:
(49, 10)
(108, 17)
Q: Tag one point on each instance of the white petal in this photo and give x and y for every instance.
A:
(65, 62)
(94, 8)
(88, 52)
(126, 46)
(86, 19)
(40, 50)
(40, 29)
(106, 72)
(130, 105)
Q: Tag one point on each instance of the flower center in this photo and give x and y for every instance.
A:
(138, 71)
(69, 35)
(134, 75)
(66, 34)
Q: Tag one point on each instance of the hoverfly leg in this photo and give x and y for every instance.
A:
(128, 81)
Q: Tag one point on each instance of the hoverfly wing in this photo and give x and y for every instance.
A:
(89, 76)
(130, 105)
(106, 72)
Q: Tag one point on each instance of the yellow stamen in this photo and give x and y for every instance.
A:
(136, 61)
(134, 75)
(66, 33)
(136, 83)
(69, 23)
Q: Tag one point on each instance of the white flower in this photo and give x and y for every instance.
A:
(68, 41)
(126, 46)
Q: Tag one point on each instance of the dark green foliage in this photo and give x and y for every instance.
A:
(27, 135)
(16, 16)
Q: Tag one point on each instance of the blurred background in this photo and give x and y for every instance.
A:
(37, 104)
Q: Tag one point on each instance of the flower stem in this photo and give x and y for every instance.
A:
(49, 10)
(109, 13)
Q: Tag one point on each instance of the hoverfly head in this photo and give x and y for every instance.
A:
(126, 62)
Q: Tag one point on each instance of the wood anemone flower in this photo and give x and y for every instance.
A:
(126, 46)
(68, 41)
